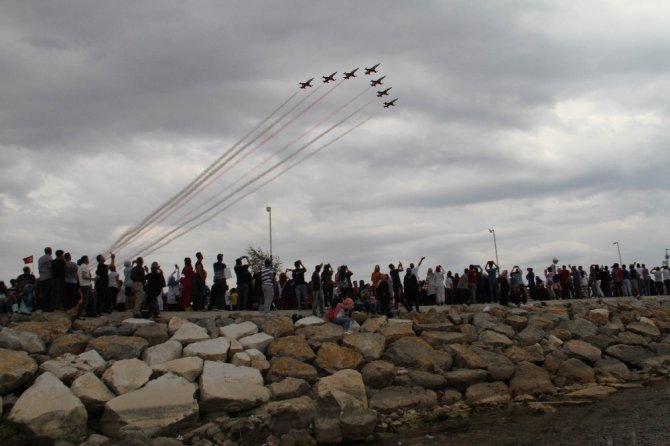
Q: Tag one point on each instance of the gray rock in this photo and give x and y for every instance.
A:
(345, 386)
(579, 328)
(645, 329)
(378, 374)
(289, 388)
(228, 388)
(238, 331)
(530, 335)
(531, 379)
(118, 347)
(630, 354)
(16, 368)
(296, 413)
(394, 398)
(411, 351)
(92, 392)
(611, 369)
(211, 349)
(574, 371)
(488, 394)
(188, 368)
(21, 340)
(164, 352)
(154, 333)
(358, 422)
(190, 332)
(582, 350)
(494, 339)
(427, 380)
(126, 375)
(370, 345)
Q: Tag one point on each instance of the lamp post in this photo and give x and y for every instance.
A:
(269, 210)
(495, 245)
(618, 248)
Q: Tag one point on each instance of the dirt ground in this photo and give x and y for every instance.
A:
(631, 417)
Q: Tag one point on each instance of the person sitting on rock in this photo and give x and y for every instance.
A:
(340, 313)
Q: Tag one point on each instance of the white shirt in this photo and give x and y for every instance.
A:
(658, 275)
(84, 275)
(113, 279)
(666, 274)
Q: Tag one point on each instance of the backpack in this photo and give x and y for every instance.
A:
(331, 313)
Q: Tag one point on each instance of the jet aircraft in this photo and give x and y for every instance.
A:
(352, 73)
(390, 103)
(374, 83)
(306, 84)
(327, 79)
(383, 93)
(371, 70)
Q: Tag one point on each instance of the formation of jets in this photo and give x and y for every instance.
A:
(352, 73)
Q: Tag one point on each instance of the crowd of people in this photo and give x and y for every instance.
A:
(90, 290)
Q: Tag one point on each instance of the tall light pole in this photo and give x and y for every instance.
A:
(495, 245)
(269, 210)
(618, 248)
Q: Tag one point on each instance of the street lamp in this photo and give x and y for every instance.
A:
(618, 248)
(495, 245)
(269, 210)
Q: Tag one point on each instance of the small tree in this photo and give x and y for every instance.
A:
(257, 259)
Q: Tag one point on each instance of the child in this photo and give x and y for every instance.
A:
(231, 299)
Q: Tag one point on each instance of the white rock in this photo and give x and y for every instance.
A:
(93, 359)
(237, 331)
(400, 321)
(21, 340)
(164, 404)
(235, 347)
(66, 367)
(259, 341)
(50, 409)
(309, 321)
(92, 392)
(211, 349)
(256, 354)
(167, 351)
(646, 320)
(189, 368)
(228, 388)
(241, 359)
(190, 332)
(175, 324)
(138, 322)
(126, 375)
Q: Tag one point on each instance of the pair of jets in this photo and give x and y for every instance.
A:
(352, 73)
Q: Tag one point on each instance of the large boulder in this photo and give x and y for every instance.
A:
(530, 335)
(346, 386)
(285, 366)
(317, 335)
(47, 330)
(438, 339)
(396, 329)
(378, 374)
(611, 370)
(488, 394)
(126, 375)
(237, 331)
(370, 345)
(16, 368)
(422, 378)
(188, 368)
(582, 350)
(373, 324)
(293, 346)
(289, 388)
(599, 316)
(630, 354)
(66, 367)
(164, 352)
(531, 353)
(154, 333)
(94, 361)
(358, 422)
(92, 392)
(74, 343)
(494, 339)
(212, 349)
(645, 329)
(118, 347)
(309, 321)
(531, 379)
(296, 413)
(189, 332)
(166, 404)
(574, 371)
(461, 379)
(411, 351)
(277, 326)
(258, 341)
(49, 409)
(499, 366)
(579, 328)
(27, 341)
(333, 357)
(394, 398)
(228, 388)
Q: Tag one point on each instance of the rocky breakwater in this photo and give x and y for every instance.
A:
(253, 379)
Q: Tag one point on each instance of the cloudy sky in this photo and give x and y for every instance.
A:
(545, 120)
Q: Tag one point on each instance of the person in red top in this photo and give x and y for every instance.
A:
(186, 283)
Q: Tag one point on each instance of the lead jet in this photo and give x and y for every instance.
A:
(307, 83)
(390, 103)
(371, 70)
(352, 73)
(383, 93)
(374, 83)
(327, 79)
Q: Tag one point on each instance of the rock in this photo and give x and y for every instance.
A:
(630, 338)
(599, 316)
(166, 404)
(437, 339)
(373, 324)
(27, 341)
(189, 333)
(175, 324)
(643, 329)
(228, 388)
(519, 354)
(612, 369)
(592, 392)
(411, 351)
(579, 328)
(293, 346)
(345, 386)
(296, 413)
(137, 322)
(370, 345)
(317, 335)
(394, 398)
(396, 329)
(582, 350)
(94, 361)
(74, 343)
(188, 368)
(531, 379)
(212, 349)
(488, 394)
(89, 325)
(378, 374)
(427, 380)
(48, 331)
(358, 422)
(277, 326)
(258, 341)
(111, 330)
(327, 429)
(517, 322)
(630, 354)
(126, 375)
(237, 331)
(66, 367)
(308, 321)
(574, 371)
(530, 335)
(289, 388)
(92, 392)
(332, 357)
(494, 339)
(118, 347)
(241, 359)
(154, 333)
(500, 368)
(285, 366)
(553, 360)
(164, 352)
(461, 379)
(235, 347)
(49, 409)
(469, 331)
(16, 368)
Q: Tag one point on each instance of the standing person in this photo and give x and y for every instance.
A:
(657, 273)
(431, 289)
(113, 289)
(102, 284)
(472, 284)
(327, 283)
(128, 283)
(199, 281)
(138, 275)
(186, 284)
(243, 281)
(438, 279)
(58, 266)
(463, 287)
(530, 280)
(174, 290)
(268, 283)
(155, 284)
(394, 273)
(299, 284)
(44, 280)
(84, 278)
(492, 270)
(666, 279)
(449, 286)
(343, 280)
(220, 286)
(70, 295)
(504, 285)
(549, 276)
(375, 277)
(594, 277)
(317, 291)
(411, 285)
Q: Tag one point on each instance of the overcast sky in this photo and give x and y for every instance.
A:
(545, 120)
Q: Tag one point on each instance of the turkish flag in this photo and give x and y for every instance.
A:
(28, 259)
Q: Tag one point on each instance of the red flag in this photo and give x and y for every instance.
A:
(28, 259)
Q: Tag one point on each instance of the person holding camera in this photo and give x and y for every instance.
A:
(299, 284)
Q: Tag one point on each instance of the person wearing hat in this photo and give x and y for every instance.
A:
(340, 313)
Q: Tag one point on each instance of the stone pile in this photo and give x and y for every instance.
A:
(265, 379)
